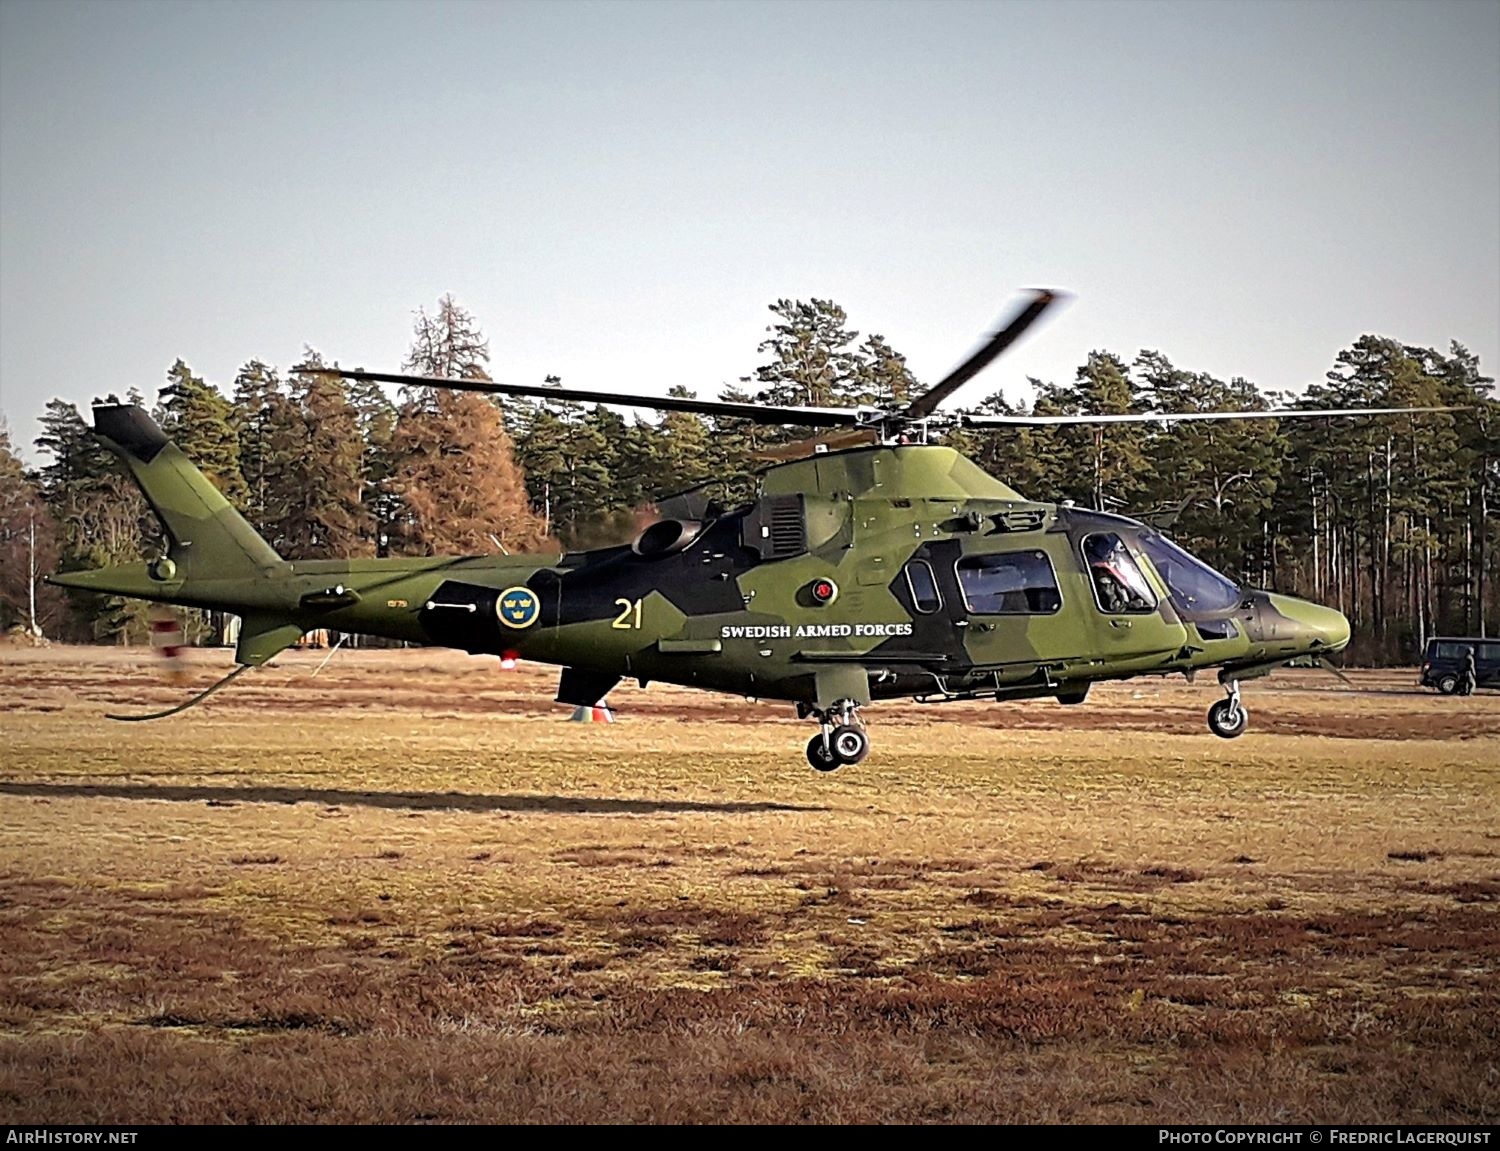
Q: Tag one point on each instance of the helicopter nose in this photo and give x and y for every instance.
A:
(1338, 630)
(1321, 630)
(1327, 625)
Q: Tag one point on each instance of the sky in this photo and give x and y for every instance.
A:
(617, 191)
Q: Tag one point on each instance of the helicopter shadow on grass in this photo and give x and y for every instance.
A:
(397, 800)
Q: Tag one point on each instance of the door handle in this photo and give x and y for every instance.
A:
(1119, 623)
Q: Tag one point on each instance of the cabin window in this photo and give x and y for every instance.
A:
(1119, 585)
(925, 596)
(1009, 583)
(1215, 628)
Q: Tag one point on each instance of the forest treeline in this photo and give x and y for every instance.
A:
(1386, 518)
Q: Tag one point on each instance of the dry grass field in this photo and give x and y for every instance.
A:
(408, 890)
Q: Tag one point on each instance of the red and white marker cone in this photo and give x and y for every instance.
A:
(599, 713)
(168, 642)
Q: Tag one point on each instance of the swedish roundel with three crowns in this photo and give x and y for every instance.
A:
(518, 607)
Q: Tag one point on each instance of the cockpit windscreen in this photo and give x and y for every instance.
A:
(1194, 585)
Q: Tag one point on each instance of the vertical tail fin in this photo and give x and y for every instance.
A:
(207, 538)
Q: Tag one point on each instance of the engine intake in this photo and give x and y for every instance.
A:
(665, 537)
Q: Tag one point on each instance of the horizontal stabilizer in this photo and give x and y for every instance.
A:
(262, 637)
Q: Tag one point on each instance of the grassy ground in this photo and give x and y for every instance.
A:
(406, 889)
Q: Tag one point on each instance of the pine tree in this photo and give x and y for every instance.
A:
(685, 455)
(28, 549)
(614, 489)
(448, 344)
(456, 481)
(1095, 466)
(316, 468)
(736, 443)
(814, 363)
(201, 422)
(256, 392)
(1117, 454)
(581, 479)
(453, 467)
(885, 380)
(1023, 458)
(100, 513)
(1221, 475)
(541, 435)
(1477, 461)
(377, 428)
(1378, 511)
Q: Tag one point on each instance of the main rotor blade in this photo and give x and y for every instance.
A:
(927, 403)
(981, 421)
(756, 413)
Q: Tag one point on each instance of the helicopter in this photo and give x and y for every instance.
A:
(874, 565)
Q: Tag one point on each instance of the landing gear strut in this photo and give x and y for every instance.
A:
(841, 738)
(1228, 718)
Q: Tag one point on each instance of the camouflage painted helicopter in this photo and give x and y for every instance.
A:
(894, 568)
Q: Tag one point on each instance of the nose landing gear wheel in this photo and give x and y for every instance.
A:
(1228, 718)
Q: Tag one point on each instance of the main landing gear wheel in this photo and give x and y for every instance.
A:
(841, 737)
(850, 743)
(1228, 718)
(820, 753)
(845, 745)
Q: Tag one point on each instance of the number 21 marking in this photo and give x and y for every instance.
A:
(630, 614)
